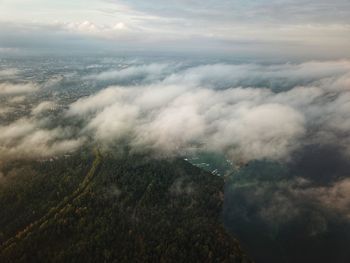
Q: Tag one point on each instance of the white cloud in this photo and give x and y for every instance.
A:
(15, 130)
(246, 111)
(335, 197)
(27, 138)
(17, 99)
(4, 110)
(10, 88)
(147, 72)
(206, 108)
(287, 199)
(43, 107)
(9, 72)
(214, 120)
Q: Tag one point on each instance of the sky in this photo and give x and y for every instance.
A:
(313, 29)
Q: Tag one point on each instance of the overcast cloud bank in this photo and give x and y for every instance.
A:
(233, 109)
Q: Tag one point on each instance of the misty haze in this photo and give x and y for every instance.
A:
(175, 131)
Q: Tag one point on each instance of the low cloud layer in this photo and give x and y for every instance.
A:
(174, 119)
(244, 111)
(32, 138)
(8, 73)
(290, 199)
(128, 75)
(286, 126)
(26, 139)
(43, 107)
(11, 88)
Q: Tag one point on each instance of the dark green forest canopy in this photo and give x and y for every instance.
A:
(85, 208)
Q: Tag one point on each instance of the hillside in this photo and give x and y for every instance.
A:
(84, 208)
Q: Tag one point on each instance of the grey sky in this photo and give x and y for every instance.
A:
(316, 29)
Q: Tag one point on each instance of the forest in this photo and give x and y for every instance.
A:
(105, 208)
